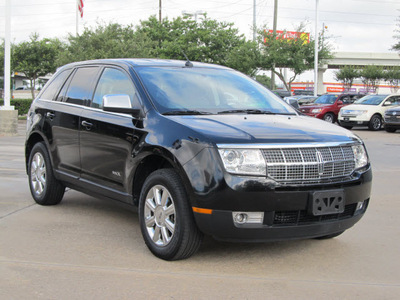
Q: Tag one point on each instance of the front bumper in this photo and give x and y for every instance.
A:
(219, 224)
(286, 213)
(393, 122)
(362, 120)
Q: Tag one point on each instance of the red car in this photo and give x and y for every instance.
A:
(326, 107)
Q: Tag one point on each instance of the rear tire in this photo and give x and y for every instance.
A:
(45, 188)
(165, 216)
(375, 123)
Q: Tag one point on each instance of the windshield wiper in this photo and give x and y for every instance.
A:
(186, 112)
(247, 111)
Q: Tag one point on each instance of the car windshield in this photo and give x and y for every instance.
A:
(208, 91)
(371, 100)
(326, 99)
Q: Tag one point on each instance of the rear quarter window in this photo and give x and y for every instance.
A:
(80, 89)
(54, 86)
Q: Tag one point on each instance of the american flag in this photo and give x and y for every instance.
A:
(80, 7)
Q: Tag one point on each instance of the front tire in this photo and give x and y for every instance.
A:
(375, 123)
(390, 129)
(329, 117)
(165, 217)
(45, 188)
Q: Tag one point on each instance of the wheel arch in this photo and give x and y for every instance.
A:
(33, 139)
(151, 163)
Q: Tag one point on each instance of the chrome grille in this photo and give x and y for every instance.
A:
(309, 165)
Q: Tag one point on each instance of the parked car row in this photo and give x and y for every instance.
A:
(326, 107)
(368, 111)
(351, 110)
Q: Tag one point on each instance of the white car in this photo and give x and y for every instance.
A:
(367, 111)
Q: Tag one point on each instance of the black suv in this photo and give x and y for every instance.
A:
(199, 148)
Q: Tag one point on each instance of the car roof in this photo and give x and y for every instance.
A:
(145, 62)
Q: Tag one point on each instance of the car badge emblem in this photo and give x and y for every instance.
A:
(320, 163)
(394, 113)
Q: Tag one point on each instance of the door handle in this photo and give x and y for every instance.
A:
(87, 125)
(50, 115)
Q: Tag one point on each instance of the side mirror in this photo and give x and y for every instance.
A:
(340, 102)
(120, 104)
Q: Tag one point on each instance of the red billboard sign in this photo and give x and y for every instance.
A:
(291, 35)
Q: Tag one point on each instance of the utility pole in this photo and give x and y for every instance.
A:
(274, 35)
(254, 20)
(159, 11)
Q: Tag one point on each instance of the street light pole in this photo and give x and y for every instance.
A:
(194, 14)
(316, 50)
(254, 20)
(7, 58)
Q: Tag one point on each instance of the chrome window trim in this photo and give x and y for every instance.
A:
(87, 108)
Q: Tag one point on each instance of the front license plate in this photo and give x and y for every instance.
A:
(327, 202)
(346, 119)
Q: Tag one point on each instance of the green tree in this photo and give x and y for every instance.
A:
(370, 76)
(208, 41)
(295, 54)
(346, 75)
(264, 80)
(107, 41)
(35, 58)
(392, 77)
(396, 46)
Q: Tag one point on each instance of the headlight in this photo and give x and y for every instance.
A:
(360, 156)
(316, 110)
(244, 161)
(361, 112)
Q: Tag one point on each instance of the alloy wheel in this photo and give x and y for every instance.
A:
(159, 215)
(38, 173)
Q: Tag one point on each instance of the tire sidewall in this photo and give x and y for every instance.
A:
(162, 177)
(372, 121)
(39, 148)
(331, 118)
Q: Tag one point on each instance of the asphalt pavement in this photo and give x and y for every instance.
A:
(88, 248)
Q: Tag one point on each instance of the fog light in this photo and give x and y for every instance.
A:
(360, 206)
(240, 218)
(247, 217)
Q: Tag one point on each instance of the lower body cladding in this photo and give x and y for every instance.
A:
(286, 213)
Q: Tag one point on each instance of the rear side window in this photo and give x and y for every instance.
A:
(80, 90)
(114, 82)
(52, 89)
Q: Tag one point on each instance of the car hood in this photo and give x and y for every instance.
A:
(396, 108)
(226, 129)
(360, 107)
(315, 105)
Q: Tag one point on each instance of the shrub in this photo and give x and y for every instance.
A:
(22, 105)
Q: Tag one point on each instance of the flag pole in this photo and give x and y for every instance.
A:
(77, 17)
